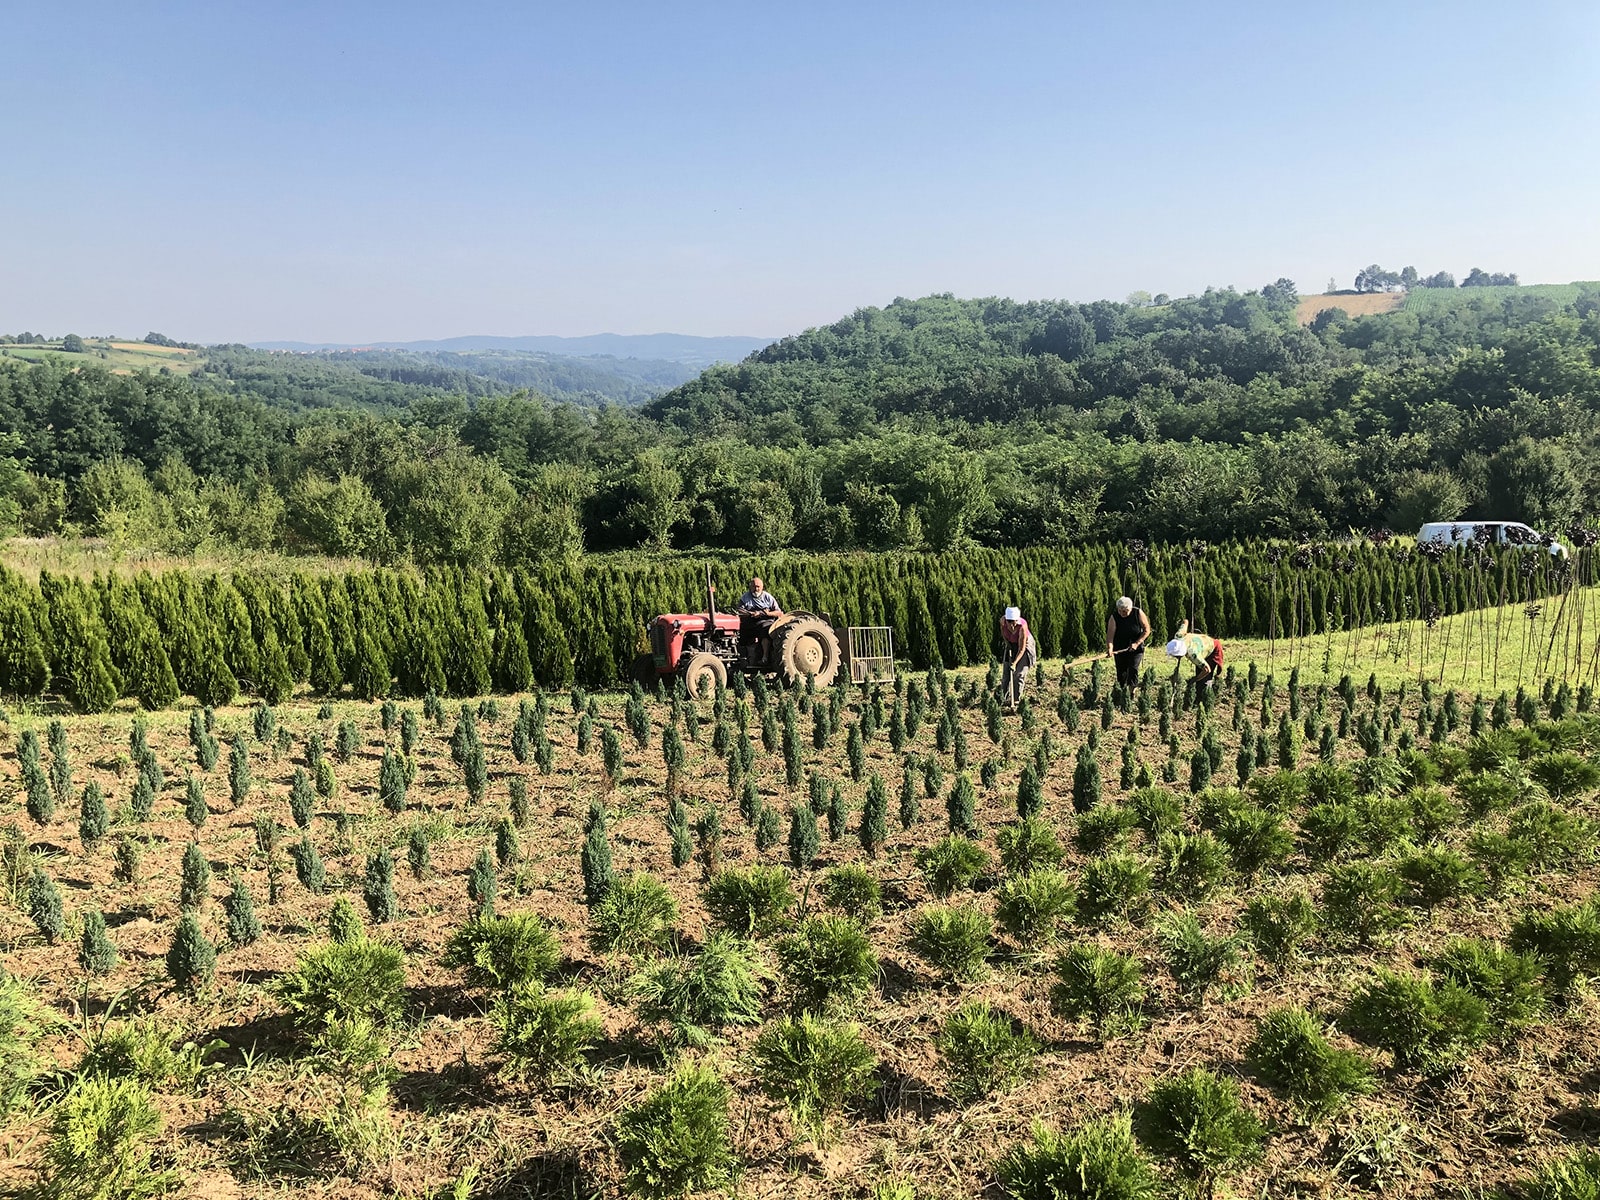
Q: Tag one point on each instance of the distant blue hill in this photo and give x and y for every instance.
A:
(671, 347)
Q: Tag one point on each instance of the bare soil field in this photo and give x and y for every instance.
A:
(1356, 304)
(264, 1110)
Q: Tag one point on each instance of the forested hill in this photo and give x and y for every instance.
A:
(394, 379)
(1151, 372)
(1210, 416)
(684, 349)
(928, 424)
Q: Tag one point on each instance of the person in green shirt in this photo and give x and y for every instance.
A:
(1204, 651)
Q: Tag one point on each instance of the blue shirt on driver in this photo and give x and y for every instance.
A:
(762, 601)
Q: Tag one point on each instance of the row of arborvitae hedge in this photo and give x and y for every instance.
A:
(378, 633)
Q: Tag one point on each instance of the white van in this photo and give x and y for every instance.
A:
(1504, 533)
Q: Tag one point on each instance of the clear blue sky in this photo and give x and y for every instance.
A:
(362, 171)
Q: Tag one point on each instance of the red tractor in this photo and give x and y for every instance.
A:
(707, 646)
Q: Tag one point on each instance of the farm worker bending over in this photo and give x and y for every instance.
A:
(1021, 653)
(1127, 631)
(1205, 651)
(758, 609)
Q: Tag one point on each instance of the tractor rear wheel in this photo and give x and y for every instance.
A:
(807, 647)
(644, 671)
(704, 666)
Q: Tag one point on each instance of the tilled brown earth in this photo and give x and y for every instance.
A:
(451, 1116)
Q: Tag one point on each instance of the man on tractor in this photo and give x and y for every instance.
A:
(1204, 651)
(758, 609)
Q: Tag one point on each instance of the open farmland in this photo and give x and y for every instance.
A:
(1377, 827)
(120, 358)
(1355, 304)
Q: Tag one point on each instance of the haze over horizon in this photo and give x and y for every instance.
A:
(369, 173)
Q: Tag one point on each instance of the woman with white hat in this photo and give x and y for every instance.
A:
(1021, 653)
(1206, 652)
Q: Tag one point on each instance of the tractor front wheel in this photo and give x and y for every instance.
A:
(807, 647)
(707, 668)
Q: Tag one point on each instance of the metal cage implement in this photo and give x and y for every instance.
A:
(870, 650)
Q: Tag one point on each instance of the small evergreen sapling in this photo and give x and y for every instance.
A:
(1292, 1053)
(96, 954)
(239, 771)
(1114, 886)
(1278, 925)
(951, 864)
(44, 906)
(708, 838)
(961, 807)
(804, 840)
(769, 827)
(818, 1067)
(1098, 1160)
(1425, 1025)
(827, 964)
(1033, 907)
(392, 782)
(838, 813)
(910, 802)
(595, 857)
(378, 888)
(243, 927)
(205, 746)
(636, 917)
(60, 763)
(302, 799)
(194, 802)
(191, 959)
(1197, 1121)
(142, 800)
(1029, 845)
(954, 939)
(506, 847)
(125, 857)
(196, 886)
(93, 820)
(41, 799)
(1085, 781)
(1030, 793)
(677, 1139)
(481, 884)
(344, 923)
(417, 852)
(984, 1052)
(679, 832)
(875, 816)
(1099, 985)
(308, 866)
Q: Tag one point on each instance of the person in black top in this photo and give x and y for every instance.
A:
(1127, 631)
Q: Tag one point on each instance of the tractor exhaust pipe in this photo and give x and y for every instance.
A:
(711, 603)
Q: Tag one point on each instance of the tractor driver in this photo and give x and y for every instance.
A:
(758, 609)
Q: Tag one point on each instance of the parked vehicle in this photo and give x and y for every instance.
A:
(1502, 533)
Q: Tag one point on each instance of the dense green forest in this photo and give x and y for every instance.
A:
(391, 380)
(934, 423)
